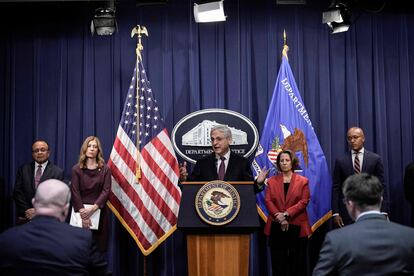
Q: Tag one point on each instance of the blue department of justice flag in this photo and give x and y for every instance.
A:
(288, 126)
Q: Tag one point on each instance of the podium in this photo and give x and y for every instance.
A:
(218, 249)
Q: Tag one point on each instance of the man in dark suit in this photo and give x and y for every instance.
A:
(409, 188)
(222, 164)
(372, 245)
(357, 160)
(47, 245)
(29, 176)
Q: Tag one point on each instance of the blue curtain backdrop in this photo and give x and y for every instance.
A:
(60, 83)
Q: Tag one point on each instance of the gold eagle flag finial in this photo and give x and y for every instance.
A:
(139, 31)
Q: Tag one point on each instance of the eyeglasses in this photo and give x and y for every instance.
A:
(354, 137)
(40, 150)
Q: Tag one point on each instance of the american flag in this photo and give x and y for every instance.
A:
(147, 206)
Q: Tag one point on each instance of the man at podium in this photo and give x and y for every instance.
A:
(229, 242)
(222, 164)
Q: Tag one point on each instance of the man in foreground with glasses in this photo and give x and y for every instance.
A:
(47, 245)
(372, 245)
(28, 178)
(355, 161)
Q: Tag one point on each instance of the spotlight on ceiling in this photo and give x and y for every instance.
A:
(104, 22)
(338, 17)
(209, 12)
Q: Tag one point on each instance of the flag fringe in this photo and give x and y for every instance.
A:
(321, 221)
(144, 251)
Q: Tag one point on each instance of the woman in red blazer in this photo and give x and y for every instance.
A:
(287, 196)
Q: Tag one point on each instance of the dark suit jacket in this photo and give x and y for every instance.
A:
(24, 187)
(409, 188)
(46, 246)
(372, 164)
(297, 198)
(371, 246)
(238, 169)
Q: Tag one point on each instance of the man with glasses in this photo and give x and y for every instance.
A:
(372, 245)
(28, 178)
(47, 245)
(356, 161)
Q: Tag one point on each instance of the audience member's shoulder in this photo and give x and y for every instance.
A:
(80, 232)
(9, 235)
(403, 228)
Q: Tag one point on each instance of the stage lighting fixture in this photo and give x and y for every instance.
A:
(104, 21)
(209, 12)
(338, 17)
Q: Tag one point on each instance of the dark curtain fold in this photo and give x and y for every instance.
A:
(60, 83)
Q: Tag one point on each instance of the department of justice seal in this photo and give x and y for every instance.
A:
(217, 202)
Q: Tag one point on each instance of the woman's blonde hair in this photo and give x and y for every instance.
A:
(82, 155)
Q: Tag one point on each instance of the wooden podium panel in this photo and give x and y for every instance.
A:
(218, 254)
(218, 249)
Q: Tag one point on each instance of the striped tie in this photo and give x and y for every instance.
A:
(357, 165)
(38, 175)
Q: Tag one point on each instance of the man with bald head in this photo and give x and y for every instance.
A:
(47, 245)
(29, 176)
(357, 160)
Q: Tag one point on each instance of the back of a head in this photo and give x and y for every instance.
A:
(364, 190)
(51, 194)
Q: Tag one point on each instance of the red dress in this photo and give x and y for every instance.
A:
(92, 187)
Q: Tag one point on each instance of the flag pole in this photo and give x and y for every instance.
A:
(285, 46)
(139, 31)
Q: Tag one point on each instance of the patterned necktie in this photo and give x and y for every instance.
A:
(38, 175)
(357, 165)
(222, 168)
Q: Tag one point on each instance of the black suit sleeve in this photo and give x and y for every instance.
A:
(379, 172)
(409, 183)
(196, 173)
(336, 187)
(247, 176)
(19, 193)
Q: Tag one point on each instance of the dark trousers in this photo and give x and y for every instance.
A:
(290, 260)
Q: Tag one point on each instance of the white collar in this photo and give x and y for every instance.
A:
(227, 155)
(367, 213)
(43, 165)
(360, 151)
